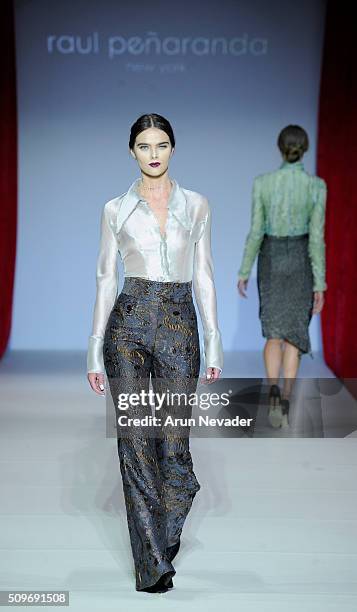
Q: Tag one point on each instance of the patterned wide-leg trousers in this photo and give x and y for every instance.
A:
(152, 335)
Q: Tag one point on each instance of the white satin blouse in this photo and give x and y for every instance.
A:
(130, 227)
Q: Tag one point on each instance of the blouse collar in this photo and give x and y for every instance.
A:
(297, 164)
(177, 204)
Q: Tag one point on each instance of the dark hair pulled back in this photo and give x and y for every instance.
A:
(293, 141)
(147, 121)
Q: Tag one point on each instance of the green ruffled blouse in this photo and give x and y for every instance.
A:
(288, 202)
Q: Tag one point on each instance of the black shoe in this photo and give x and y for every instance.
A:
(155, 589)
(172, 551)
(167, 578)
(275, 410)
(274, 395)
(161, 586)
(286, 406)
(285, 409)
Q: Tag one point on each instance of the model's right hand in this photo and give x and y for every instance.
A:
(318, 302)
(242, 287)
(96, 381)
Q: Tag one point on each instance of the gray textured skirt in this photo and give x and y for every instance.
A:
(285, 285)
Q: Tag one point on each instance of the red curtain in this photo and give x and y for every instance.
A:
(8, 169)
(336, 163)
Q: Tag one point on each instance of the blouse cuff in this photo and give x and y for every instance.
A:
(95, 361)
(320, 287)
(213, 350)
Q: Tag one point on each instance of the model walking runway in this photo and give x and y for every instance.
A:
(149, 333)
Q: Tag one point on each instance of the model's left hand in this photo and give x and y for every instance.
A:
(242, 287)
(318, 302)
(211, 375)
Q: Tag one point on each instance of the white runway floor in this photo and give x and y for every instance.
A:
(273, 528)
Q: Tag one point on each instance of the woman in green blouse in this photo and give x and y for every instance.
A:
(287, 230)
